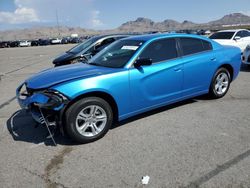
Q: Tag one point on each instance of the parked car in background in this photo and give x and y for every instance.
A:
(86, 49)
(35, 43)
(65, 40)
(24, 43)
(239, 38)
(43, 42)
(246, 56)
(14, 44)
(56, 41)
(75, 40)
(129, 77)
(4, 44)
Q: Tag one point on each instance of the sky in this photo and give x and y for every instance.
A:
(109, 14)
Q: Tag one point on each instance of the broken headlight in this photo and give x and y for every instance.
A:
(22, 92)
(50, 99)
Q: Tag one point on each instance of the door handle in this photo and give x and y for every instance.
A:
(213, 59)
(177, 69)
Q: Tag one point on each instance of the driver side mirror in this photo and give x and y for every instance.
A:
(143, 61)
(84, 57)
(237, 38)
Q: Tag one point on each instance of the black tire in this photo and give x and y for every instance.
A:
(213, 92)
(77, 107)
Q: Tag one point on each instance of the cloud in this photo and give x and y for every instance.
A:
(77, 13)
(94, 20)
(20, 15)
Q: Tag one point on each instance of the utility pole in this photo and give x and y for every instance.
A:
(57, 24)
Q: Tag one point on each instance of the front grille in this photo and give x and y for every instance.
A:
(248, 59)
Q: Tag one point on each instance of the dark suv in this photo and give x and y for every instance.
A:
(86, 49)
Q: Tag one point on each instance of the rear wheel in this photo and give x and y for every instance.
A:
(88, 119)
(220, 83)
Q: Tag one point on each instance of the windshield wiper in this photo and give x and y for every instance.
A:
(96, 64)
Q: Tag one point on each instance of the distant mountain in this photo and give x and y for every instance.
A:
(139, 25)
(145, 24)
(231, 19)
(170, 24)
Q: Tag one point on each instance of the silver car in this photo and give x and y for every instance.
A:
(246, 55)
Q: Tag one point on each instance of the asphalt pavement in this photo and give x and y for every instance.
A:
(195, 143)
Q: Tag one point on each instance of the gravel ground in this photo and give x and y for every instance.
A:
(196, 143)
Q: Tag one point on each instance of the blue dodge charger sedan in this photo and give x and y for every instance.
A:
(131, 76)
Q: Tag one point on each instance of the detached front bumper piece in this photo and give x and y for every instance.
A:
(49, 101)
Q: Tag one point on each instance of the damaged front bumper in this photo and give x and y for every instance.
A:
(48, 102)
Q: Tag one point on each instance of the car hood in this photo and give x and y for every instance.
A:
(64, 57)
(65, 73)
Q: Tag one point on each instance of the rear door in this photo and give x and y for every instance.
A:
(198, 59)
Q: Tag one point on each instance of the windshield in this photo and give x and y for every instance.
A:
(80, 47)
(117, 54)
(222, 35)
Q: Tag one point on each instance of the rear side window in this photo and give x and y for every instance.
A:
(239, 34)
(222, 35)
(108, 41)
(245, 34)
(206, 45)
(193, 46)
(160, 50)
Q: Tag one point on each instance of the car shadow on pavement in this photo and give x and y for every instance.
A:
(156, 111)
(245, 68)
(23, 128)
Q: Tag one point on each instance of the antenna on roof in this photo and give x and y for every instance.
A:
(57, 24)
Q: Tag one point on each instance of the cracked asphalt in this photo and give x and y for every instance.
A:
(195, 143)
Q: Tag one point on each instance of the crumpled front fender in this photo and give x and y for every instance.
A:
(44, 99)
(37, 98)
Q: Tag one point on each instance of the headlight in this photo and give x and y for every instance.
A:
(23, 92)
(50, 99)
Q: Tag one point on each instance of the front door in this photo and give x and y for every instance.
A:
(159, 83)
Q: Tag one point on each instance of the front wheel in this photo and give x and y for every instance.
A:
(220, 83)
(88, 119)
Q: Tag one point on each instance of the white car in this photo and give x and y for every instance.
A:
(239, 38)
(246, 55)
(56, 41)
(24, 43)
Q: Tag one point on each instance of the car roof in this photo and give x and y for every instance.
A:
(149, 37)
(233, 30)
(109, 36)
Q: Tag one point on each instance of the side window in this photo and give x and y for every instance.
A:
(245, 34)
(160, 50)
(239, 34)
(108, 41)
(207, 45)
(248, 33)
(192, 46)
(104, 43)
(118, 38)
